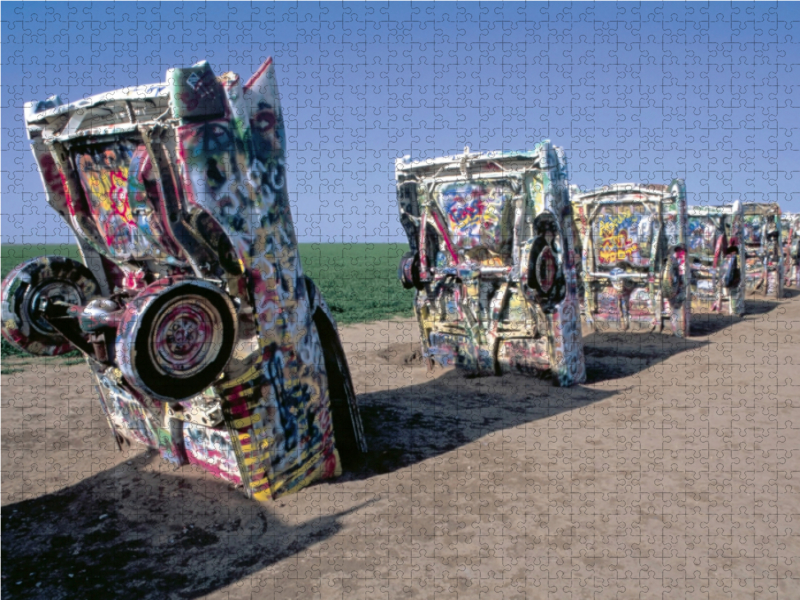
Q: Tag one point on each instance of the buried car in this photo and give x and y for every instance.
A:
(205, 339)
(790, 230)
(492, 259)
(715, 259)
(633, 242)
(761, 232)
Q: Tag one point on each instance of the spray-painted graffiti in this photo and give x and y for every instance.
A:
(493, 259)
(790, 224)
(475, 212)
(117, 182)
(633, 240)
(716, 258)
(764, 263)
(623, 234)
(209, 348)
(212, 449)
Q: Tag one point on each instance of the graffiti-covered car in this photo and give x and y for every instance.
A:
(761, 232)
(492, 259)
(633, 244)
(790, 232)
(715, 259)
(204, 337)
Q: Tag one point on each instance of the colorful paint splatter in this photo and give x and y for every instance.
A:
(716, 259)
(493, 259)
(633, 239)
(186, 226)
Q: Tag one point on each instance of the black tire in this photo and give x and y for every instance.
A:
(731, 274)
(671, 281)
(172, 385)
(24, 291)
(549, 291)
(408, 272)
(342, 395)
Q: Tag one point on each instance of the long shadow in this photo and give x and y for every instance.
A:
(759, 306)
(612, 355)
(131, 533)
(412, 424)
(711, 323)
(789, 293)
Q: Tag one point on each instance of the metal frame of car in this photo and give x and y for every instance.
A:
(716, 256)
(763, 246)
(492, 258)
(790, 231)
(623, 287)
(205, 338)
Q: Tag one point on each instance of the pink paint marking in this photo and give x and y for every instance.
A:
(214, 469)
(446, 237)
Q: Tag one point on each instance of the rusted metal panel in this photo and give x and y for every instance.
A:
(716, 257)
(206, 339)
(633, 240)
(492, 257)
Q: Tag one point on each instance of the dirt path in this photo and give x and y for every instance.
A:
(671, 473)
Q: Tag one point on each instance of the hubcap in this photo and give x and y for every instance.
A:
(187, 336)
(546, 268)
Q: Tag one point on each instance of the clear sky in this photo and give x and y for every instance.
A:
(632, 92)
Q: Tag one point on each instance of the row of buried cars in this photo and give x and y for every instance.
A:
(506, 257)
(207, 341)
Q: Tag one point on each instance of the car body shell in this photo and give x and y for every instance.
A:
(763, 249)
(178, 190)
(715, 250)
(493, 260)
(790, 231)
(633, 240)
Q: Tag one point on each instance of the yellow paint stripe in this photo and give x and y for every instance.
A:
(251, 373)
(239, 423)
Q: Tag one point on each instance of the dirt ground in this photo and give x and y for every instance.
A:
(670, 473)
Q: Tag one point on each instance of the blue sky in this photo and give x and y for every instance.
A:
(632, 92)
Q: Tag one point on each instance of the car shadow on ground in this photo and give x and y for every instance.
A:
(136, 532)
(129, 532)
(411, 424)
(758, 305)
(710, 323)
(613, 355)
(789, 293)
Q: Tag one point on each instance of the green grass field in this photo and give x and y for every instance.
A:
(359, 281)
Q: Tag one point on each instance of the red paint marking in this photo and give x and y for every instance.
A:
(251, 82)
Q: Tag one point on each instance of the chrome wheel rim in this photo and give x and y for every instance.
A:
(50, 291)
(187, 336)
